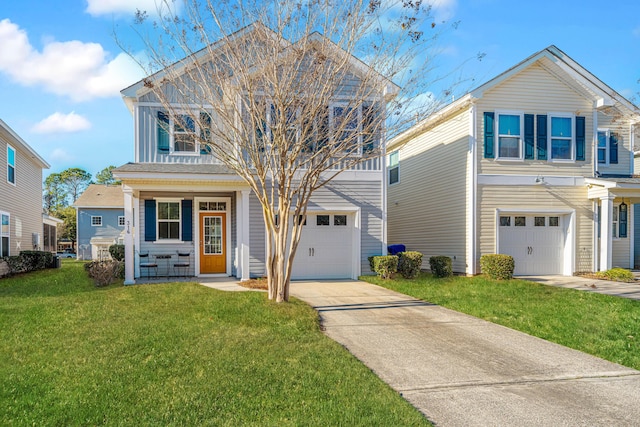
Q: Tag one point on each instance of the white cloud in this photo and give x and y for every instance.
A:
(118, 7)
(60, 155)
(79, 70)
(62, 123)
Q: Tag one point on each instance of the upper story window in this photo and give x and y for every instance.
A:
(96, 221)
(509, 136)
(394, 167)
(179, 134)
(121, 221)
(345, 126)
(11, 164)
(562, 141)
(168, 220)
(603, 145)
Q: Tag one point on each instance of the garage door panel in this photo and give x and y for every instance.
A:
(537, 245)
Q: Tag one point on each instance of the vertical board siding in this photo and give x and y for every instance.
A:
(427, 208)
(23, 201)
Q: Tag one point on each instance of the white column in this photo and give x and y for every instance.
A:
(244, 245)
(129, 258)
(606, 235)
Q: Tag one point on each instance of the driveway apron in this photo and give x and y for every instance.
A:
(462, 371)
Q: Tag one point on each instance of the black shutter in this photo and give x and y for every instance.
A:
(529, 138)
(613, 148)
(163, 132)
(541, 140)
(580, 138)
(489, 139)
(187, 220)
(149, 220)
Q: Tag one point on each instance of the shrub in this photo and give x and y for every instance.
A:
(28, 261)
(617, 274)
(409, 264)
(371, 265)
(441, 266)
(385, 265)
(497, 266)
(117, 252)
(104, 273)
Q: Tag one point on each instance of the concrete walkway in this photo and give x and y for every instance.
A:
(462, 371)
(618, 289)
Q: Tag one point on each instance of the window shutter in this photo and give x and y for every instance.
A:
(529, 138)
(580, 138)
(542, 137)
(489, 142)
(163, 132)
(149, 220)
(622, 220)
(187, 220)
(613, 148)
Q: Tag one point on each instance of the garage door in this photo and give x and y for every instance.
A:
(326, 247)
(536, 242)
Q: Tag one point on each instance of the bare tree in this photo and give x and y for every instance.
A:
(253, 82)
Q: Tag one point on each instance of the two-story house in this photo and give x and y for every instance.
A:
(21, 223)
(536, 163)
(100, 220)
(181, 199)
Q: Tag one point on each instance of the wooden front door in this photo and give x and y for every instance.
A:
(213, 240)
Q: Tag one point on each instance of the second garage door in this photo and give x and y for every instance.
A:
(536, 242)
(326, 247)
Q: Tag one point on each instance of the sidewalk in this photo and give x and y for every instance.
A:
(462, 371)
(618, 289)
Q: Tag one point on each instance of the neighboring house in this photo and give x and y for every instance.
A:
(100, 220)
(178, 197)
(21, 222)
(536, 163)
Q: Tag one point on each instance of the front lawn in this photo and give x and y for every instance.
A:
(601, 325)
(175, 354)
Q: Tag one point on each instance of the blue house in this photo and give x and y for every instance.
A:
(100, 220)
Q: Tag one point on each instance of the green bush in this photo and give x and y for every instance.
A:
(105, 273)
(385, 265)
(371, 265)
(441, 266)
(618, 274)
(497, 266)
(28, 261)
(117, 252)
(409, 264)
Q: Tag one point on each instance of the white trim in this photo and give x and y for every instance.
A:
(631, 234)
(594, 142)
(472, 176)
(561, 115)
(136, 130)
(8, 234)
(383, 182)
(95, 224)
(196, 240)
(159, 240)
(496, 124)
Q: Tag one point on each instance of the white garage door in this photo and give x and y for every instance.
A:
(536, 242)
(326, 247)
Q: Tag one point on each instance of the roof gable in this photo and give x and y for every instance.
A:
(101, 196)
(19, 143)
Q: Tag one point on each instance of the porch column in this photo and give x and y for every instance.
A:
(242, 200)
(128, 238)
(606, 235)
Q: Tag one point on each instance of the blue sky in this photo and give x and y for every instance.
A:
(61, 70)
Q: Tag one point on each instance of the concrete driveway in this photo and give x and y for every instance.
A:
(462, 371)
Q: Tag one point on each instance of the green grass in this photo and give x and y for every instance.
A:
(175, 354)
(601, 325)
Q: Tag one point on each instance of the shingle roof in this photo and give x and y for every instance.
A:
(180, 168)
(101, 196)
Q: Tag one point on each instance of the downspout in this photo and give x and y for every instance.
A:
(472, 188)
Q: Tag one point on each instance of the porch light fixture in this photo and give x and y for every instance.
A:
(539, 180)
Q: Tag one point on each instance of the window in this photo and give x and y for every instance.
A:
(614, 222)
(554, 221)
(96, 221)
(184, 131)
(509, 136)
(11, 164)
(344, 122)
(394, 167)
(618, 221)
(505, 221)
(539, 221)
(561, 138)
(603, 144)
(177, 134)
(4, 234)
(520, 221)
(339, 220)
(121, 221)
(212, 206)
(168, 220)
(322, 220)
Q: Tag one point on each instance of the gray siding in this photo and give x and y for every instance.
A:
(23, 201)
